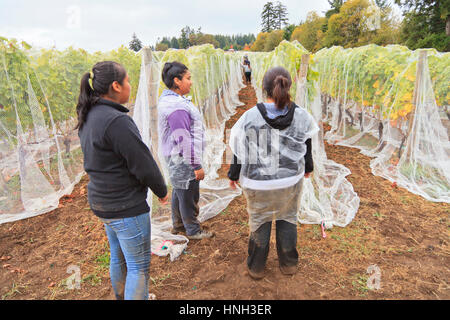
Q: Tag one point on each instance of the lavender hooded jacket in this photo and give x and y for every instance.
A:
(181, 137)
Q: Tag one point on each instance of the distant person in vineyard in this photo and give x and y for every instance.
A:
(120, 169)
(67, 142)
(181, 134)
(271, 144)
(247, 70)
(246, 61)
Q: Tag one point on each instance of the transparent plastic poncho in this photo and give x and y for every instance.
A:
(327, 197)
(271, 159)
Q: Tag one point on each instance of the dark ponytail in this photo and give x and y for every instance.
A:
(277, 83)
(95, 84)
(172, 70)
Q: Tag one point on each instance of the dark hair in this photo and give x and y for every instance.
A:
(277, 83)
(171, 71)
(103, 75)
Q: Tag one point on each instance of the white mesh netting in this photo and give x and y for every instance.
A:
(40, 157)
(390, 103)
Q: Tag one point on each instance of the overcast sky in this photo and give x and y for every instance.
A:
(104, 25)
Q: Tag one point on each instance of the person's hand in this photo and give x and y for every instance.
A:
(164, 201)
(233, 184)
(199, 174)
(307, 175)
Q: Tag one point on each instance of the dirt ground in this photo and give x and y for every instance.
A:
(404, 235)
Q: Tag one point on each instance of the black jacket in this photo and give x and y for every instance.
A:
(280, 122)
(119, 164)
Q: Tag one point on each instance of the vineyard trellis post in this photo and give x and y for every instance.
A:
(301, 83)
(152, 92)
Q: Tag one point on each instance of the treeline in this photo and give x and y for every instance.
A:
(355, 23)
(426, 24)
(191, 37)
(351, 23)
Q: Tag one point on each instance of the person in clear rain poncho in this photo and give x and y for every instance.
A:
(271, 144)
(181, 134)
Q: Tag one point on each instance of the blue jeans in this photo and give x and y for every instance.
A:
(129, 242)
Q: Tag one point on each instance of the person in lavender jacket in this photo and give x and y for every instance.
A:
(181, 135)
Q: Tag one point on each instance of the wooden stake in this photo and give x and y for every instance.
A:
(301, 83)
(152, 91)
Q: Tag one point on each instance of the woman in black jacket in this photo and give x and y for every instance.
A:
(120, 168)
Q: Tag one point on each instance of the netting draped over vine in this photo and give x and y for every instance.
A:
(41, 158)
(217, 78)
(391, 103)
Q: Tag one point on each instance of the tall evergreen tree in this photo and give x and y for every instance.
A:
(382, 4)
(288, 30)
(135, 43)
(426, 23)
(174, 43)
(222, 40)
(184, 39)
(335, 7)
(268, 17)
(166, 40)
(281, 19)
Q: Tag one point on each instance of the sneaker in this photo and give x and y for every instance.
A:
(202, 234)
(178, 230)
(288, 271)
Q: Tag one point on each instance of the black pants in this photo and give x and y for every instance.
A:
(185, 208)
(258, 245)
(248, 76)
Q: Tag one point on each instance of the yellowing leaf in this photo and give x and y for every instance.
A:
(408, 107)
(407, 97)
(394, 115)
(376, 84)
(402, 113)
